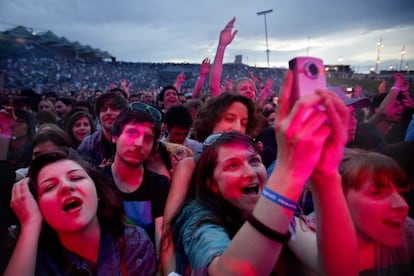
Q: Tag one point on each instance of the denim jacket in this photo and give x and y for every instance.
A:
(139, 257)
(92, 148)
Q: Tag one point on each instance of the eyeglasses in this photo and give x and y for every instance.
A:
(155, 113)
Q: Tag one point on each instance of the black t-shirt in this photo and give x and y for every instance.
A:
(146, 203)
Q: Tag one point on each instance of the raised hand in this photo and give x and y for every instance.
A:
(382, 86)
(301, 132)
(126, 87)
(7, 119)
(205, 67)
(334, 145)
(398, 80)
(180, 78)
(24, 205)
(227, 34)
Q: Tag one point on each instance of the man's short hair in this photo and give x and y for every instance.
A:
(178, 116)
(113, 100)
(135, 117)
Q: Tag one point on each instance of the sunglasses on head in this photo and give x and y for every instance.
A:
(214, 137)
(155, 113)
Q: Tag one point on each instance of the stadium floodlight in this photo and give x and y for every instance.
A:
(267, 45)
(403, 52)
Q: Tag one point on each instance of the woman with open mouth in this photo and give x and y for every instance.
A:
(373, 185)
(79, 125)
(234, 221)
(72, 223)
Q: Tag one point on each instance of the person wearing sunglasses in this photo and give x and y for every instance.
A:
(135, 132)
(224, 113)
(235, 221)
(165, 155)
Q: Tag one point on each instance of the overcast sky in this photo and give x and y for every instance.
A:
(188, 30)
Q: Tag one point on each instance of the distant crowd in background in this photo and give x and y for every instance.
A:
(209, 169)
(68, 77)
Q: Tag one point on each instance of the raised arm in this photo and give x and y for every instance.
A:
(204, 70)
(387, 104)
(265, 92)
(179, 81)
(23, 260)
(301, 133)
(336, 250)
(126, 87)
(7, 119)
(226, 37)
(179, 185)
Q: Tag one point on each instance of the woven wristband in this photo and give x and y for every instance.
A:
(279, 199)
(266, 231)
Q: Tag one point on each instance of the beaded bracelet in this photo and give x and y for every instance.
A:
(266, 231)
(279, 199)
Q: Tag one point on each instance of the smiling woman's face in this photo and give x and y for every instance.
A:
(234, 118)
(239, 175)
(81, 128)
(378, 213)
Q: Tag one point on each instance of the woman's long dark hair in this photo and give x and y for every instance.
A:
(71, 121)
(110, 211)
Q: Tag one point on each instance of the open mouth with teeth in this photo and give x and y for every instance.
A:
(251, 190)
(72, 204)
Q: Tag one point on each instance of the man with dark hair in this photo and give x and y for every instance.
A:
(168, 97)
(178, 122)
(144, 192)
(120, 92)
(97, 148)
(63, 107)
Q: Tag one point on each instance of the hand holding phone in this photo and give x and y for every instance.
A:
(309, 76)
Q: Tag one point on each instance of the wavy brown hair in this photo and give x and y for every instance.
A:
(210, 114)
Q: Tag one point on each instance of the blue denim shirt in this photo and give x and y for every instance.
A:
(139, 257)
(92, 148)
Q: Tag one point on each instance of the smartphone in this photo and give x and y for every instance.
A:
(309, 75)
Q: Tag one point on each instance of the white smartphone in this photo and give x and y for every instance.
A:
(309, 75)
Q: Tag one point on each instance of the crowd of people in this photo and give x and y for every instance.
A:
(221, 177)
(69, 76)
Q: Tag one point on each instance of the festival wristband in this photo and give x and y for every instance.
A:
(279, 199)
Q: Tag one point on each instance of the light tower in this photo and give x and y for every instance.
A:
(267, 46)
(402, 57)
(379, 47)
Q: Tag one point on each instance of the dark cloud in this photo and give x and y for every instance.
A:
(163, 30)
